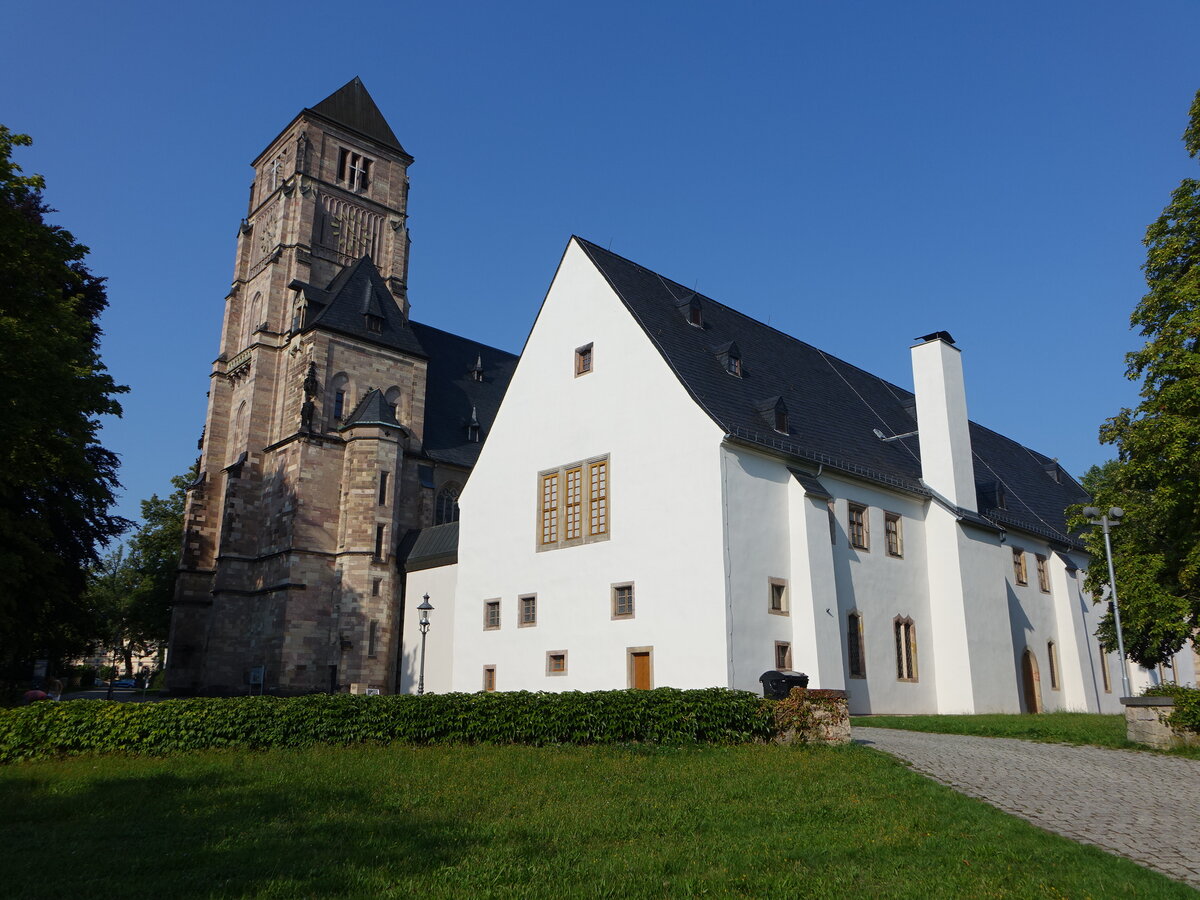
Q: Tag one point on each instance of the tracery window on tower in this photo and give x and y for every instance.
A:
(251, 318)
(354, 170)
(446, 506)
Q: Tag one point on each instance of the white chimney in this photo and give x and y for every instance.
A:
(942, 424)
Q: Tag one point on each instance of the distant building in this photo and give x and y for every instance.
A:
(675, 494)
(335, 423)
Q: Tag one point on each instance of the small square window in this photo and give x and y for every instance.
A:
(528, 611)
(1022, 577)
(860, 534)
(374, 324)
(777, 598)
(893, 531)
(622, 601)
(556, 662)
(491, 615)
(489, 678)
(783, 655)
(733, 365)
(583, 360)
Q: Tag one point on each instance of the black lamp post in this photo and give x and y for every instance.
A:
(1105, 520)
(423, 623)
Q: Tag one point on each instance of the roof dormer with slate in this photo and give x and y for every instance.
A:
(807, 405)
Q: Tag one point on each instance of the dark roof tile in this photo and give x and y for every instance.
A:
(833, 406)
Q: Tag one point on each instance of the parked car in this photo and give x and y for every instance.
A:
(125, 683)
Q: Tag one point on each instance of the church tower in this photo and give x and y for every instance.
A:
(312, 464)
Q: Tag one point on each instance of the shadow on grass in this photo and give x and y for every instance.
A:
(206, 834)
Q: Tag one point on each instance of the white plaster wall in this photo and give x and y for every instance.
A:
(439, 584)
(881, 587)
(818, 629)
(664, 502)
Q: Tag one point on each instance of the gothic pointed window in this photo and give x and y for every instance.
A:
(353, 170)
(446, 506)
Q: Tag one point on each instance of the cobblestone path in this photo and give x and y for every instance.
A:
(1143, 806)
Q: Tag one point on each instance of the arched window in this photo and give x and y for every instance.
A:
(392, 399)
(446, 508)
(906, 649)
(339, 398)
(253, 318)
(856, 652)
(237, 436)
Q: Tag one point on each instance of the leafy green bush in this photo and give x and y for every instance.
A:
(664, 715)
(1186, 716)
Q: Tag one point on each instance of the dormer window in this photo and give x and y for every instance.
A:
(354, 170)
(473, 427)
(781, 419)
(374, 323)
(692, 311)
(731, 358)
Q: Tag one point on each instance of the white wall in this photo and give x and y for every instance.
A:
(439, 584)
(664, 502)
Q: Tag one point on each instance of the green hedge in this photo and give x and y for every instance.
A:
(1186, 716)
(664, 715)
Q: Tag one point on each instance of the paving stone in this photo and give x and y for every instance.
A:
(1143, 806)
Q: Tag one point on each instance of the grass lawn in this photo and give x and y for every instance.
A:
(1057, 727)
(752, 820)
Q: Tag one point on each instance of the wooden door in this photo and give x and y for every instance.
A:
(640, 664)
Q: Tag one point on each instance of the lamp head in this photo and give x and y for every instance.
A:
(1115, 512)
(877, 433)
(1092, 512)
(426, 607)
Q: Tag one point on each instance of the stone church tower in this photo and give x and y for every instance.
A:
(335, 426)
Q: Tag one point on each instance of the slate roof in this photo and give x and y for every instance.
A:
(356, 292)
(832, 405)
(352, 107)
(452, 394)
(373, 409)
(429, 547)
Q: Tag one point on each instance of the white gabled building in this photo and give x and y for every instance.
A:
(675, 494)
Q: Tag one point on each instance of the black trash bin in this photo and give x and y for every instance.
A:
(778, 683)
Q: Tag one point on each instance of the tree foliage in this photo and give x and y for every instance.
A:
(1156, 477)
(132, 588)
(57, 484)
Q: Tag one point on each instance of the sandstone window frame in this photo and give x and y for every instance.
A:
(893, 533)
(584, 360)
(905, 632)
(527, 611)
(778, 601)
(623, 599)
(856, 649)
(380, 554)
(1020, 573)
(858, 525)
(783, 655)
(489, 678)
(491, 614)
(573, 504)
(1052, 659)
(1043, 573)
(556, 663)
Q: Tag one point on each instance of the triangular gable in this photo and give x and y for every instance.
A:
(351, 106)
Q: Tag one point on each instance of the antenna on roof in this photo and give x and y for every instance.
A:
(895, 437)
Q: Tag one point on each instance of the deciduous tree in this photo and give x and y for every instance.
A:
(57, 482)
(1156, 477)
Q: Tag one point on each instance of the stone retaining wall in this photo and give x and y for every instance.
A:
(1144, 723)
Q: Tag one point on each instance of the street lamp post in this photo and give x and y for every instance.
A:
(423, 623)
(1105, 520)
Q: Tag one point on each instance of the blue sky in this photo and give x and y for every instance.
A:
(854, 173)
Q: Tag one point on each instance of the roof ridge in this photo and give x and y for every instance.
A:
(748, 318)
(463, 338)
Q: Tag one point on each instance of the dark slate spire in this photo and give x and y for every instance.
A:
(372, 410)
(351, 106)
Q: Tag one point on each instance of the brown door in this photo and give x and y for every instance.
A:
(1031, 682)
(640, 661)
